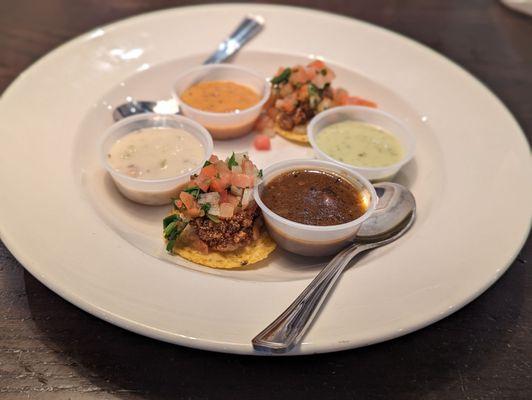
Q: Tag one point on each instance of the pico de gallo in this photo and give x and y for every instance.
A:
(300, 92)
(216, 210)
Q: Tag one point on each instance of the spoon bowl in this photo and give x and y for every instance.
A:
(394, 207)
(393, 217)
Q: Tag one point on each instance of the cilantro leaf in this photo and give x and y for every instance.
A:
(194, 191)
(169, 228)
(174, 199)
(169, 219)
(170, 245)
(232, 161)
(313, 90)
(282, 77)
(172, 231)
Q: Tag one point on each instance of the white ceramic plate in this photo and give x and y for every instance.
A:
(63, 220)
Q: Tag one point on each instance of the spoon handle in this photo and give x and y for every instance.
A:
(248, 28)
(281, 335)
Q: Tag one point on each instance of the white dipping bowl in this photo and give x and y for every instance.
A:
(152, 191)
(371, 116)
(313, 240)
(227, 125)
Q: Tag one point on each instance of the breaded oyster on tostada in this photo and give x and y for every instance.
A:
(215, 221)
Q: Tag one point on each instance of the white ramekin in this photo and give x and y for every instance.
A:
(312, 240)
(227, 125)
(152, 191)
(371, 116)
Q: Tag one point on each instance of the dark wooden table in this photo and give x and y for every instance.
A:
(49, 349)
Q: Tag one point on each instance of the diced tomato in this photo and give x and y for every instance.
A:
(188, 200)
(330, 74)
(213, 159)
(220, 184)
(272, 113)
(302, 93)
(318, 64)
(263, 122)
(247, 167)
(202, 182)
(193, 212)
(262, 142)
(311, 73)
(217, 186)
(209, 171)
(340, 96)
(224, 196)
(226, 210)
(287, 105)
(242, 180)
(321, 80)
(178, 203)
(225, 178)
(359, 101)
(286, 89)
(298, 75)
(221, 166)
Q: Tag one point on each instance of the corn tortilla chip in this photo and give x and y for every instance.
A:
(256, 251)
(291, 135)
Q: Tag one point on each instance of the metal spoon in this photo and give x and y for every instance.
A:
(395, 214)
(248, 28)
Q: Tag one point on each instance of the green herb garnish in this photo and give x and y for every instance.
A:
(172, 231)
(206, 207)
(170, 245)
(174, 199)
(313, 90)
(232, 161)
(169, 228)
(169, 219)
(314, 95)
(207, 163)
(194, 191)
(282, 77)
(259, 174)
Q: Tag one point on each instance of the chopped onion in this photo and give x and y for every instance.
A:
(236, 191)
(211, 197)
(226, 210)
(247, 196)
(239, 157)
(214, 210)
